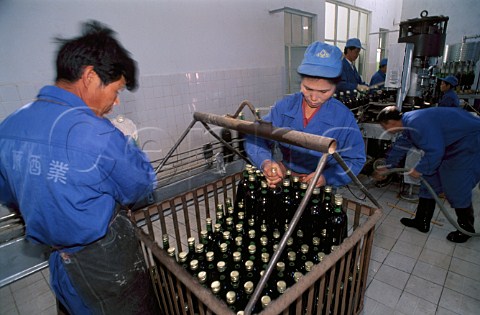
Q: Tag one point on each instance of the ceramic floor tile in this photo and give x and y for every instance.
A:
(467, 254)
(379, 254)
(407, 249)
(392, 276)
(412, 236)
(27, 281)
(413, 305)
(399, 261)
(384, 241)
(424, 289)
(429, 272)
(373, 267)
(390, 230)
(435, 258)
(465, 268)
(37, 304)
(440, 245)
(444, 311)
(459, 303)
(463, 285)
(387, 294)
(24, 295)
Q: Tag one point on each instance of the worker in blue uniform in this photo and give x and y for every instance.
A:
(351, 79)
(378, 78)
(67, 169)
(449, 164)
(312, 110)
(449, 97)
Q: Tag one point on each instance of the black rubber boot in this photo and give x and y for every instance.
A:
(424, 215)
(466, 219)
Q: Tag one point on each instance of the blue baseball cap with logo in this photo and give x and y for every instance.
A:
(321, 60)
(354, 42)
(452, 80)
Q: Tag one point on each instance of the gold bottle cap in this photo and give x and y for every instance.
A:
(251, 178)
(217, 227)
(304, 186)
(249, 265)
(199, 248)
(237, 256)
(286, 183)
(308, 265)
(264, 240)
(223, 247)
(296, 179)
(304, 248)
(204, 233)
(221, 266)
(234, 276)
(320, 256)
(191, 240)
(182, 256)
(297, 275)
(328, 189)
(171, 251)
(209, 221)
(263, 228)
(238, 240)
(210, 256)
(226, 235)
(194, 264)
(241, 214)
(280, 266)
(316, 241)
(316, 191)
(290, 241)
(252, 249)
(248, 287)
(281, 286)
(251, 233)
(299, 233)
(265, 300)
(265, 257)
(202, 276)
(229, 221)
(239, 227)
(231, 297)
(263, 184)
(215, 286)
(291, 256)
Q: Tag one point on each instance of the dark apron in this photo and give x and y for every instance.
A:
(111, 275)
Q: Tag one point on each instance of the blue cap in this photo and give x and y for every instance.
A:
(354, 42)
(321, 60)
(453, 81)
(383, 62)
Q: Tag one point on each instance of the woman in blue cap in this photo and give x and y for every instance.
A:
(449, 98)
(378, 79)
(312, 110)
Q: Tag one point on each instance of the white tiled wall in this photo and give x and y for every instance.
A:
(163, 105)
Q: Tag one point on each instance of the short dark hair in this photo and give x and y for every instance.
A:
(389, 113)
(331, 80)
(96, 47)
(346, 49)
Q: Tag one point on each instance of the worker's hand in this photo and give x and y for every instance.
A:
(320, 182)
(380, 173)
(273, 172)
(414, 173)
(362, 88)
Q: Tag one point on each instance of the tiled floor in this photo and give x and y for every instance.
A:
(410, 272)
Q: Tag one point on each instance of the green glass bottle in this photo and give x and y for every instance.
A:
(200, 257)
(165, 241)
(193, 269)
(202, 278)
(182, 260)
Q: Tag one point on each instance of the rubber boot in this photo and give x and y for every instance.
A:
(424, 215)
(465, 218)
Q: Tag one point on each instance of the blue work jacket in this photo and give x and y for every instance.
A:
(350, 78)
(450, 138)
(449, 99)
(378, 77)
(333, 120)
(65, 169)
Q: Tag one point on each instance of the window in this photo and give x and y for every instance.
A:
(298, 34)
(382, 45)
(343, 22)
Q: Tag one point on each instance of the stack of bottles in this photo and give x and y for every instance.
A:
(235, 248)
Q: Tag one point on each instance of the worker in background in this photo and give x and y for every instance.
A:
(449, 97)
(312, 110)
(378, 78)
(449, 164)
(67, 169)
(350, 79)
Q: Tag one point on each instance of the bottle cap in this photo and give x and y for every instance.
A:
(234, 276)
(215, 286)
(194, 264)
(265, 257)
(191, 240)
(202, 276)
(199, 248)
(281, 286)
(237, 256)
(223, 247)
(171, 251)
(249, 265)
(280, 266)
(231, 297)
(221, 266)
(210, 256)
(248, 287)
(266, 300)
(182, 256)
(308, 265)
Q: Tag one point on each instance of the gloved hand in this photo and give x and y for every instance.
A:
(362, 88)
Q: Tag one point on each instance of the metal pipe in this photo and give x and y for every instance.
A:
(283, 242)
(266, 130)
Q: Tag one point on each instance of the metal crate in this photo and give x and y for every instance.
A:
(319, 292)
